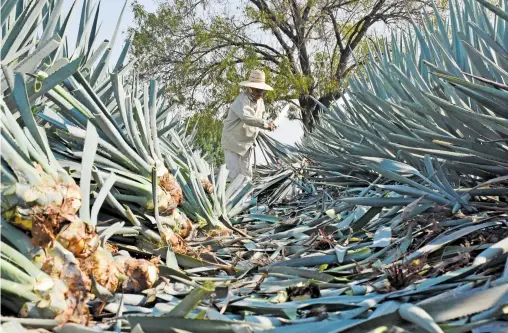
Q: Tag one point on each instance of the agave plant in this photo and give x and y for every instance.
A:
(51, 287)
(430, 102)
(37, 193)
(132, 126)
(100, 100)
(427, 94)
(40, 197)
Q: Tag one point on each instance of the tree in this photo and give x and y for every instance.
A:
(208, 136)
(201, 49)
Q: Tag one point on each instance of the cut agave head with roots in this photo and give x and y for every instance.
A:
(169, 183)
(61, 264)
(207, 184)
(66, 299)
(41, 208)
(178, 222)
(51, 305)
(166, 202)
(62, 305)
(79, 237)
(104, 269)
(141, 273)
(178, 244)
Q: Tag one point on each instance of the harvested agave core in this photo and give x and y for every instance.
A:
(79, 237)
(104, 268)
(141, 274)
(66, 268)
(166, 202)
(207, 185)
(71, 283)
(41, 208)
(169, 183)
(178, 222)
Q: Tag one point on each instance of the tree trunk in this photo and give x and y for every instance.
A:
(307, 106)
(307, 122)
(311, 111)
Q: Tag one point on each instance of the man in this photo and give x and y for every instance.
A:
(241, 127)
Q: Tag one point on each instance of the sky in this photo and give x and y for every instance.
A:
(108, 17)
(288, 131)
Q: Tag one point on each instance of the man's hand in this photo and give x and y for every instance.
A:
(271, 127)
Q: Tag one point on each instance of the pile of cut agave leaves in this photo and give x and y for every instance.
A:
(390, 217)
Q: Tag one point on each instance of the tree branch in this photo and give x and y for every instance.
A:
(283, 26)
(276, 32)
(300, 39)
(336, 31)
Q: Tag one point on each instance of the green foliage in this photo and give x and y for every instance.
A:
(202, 50)
(208, 136)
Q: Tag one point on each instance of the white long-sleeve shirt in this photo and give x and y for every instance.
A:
(241, 127)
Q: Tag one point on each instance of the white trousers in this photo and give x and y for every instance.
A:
(238, 165)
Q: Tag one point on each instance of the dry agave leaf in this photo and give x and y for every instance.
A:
(302, 293)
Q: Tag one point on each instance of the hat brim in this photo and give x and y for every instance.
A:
(256, 85)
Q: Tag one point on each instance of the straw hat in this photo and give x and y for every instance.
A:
(256, 80)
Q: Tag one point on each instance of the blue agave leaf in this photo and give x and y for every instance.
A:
(50, 29)
(123, 55)
(99, 68)
(83, 21)
(62, 32)
(443, 32)
(113, 41)
(478, 61)
(504, 26)
(95, 56)
(498, 48)
(16, 33)
(456, 45)
(82, 43)
(495, 9)
(54, 79)
(93, 32)
(19, 93)
(6, 11)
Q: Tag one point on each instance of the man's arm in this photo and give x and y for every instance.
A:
(247, 115)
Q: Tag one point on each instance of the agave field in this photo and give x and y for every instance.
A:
(391, 216)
